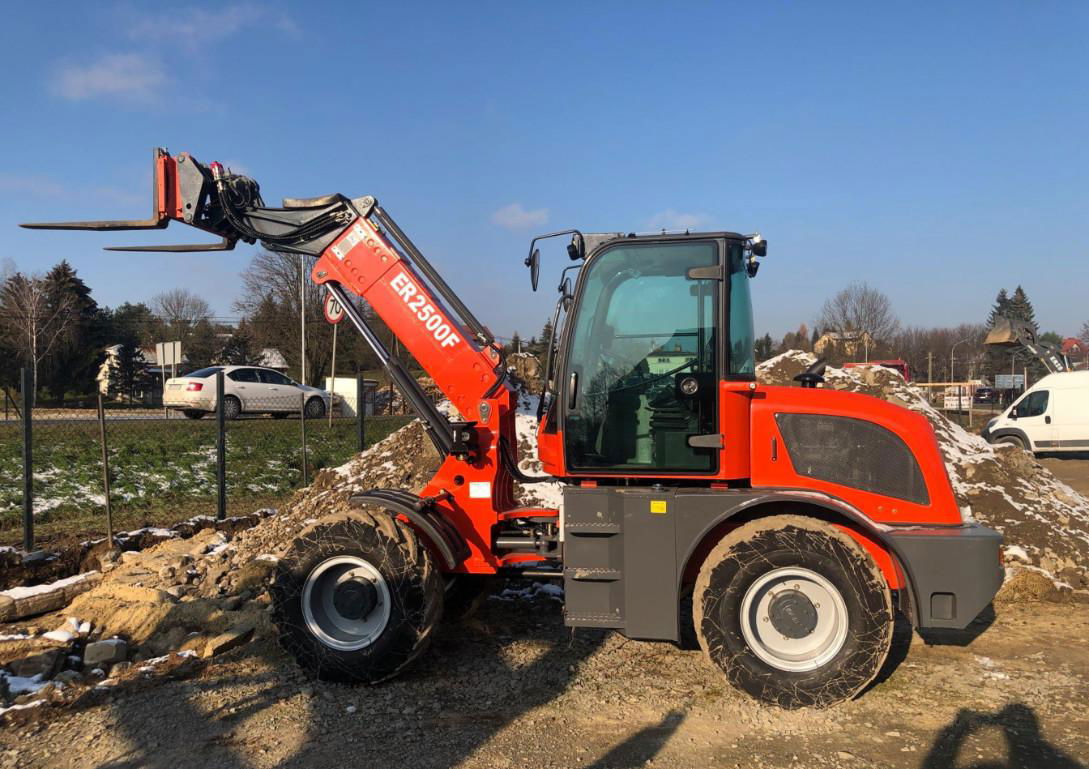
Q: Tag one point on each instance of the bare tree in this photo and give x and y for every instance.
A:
(181, 310)
(861, 308)
(31, 324)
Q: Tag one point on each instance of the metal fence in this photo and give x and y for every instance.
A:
(86, 471)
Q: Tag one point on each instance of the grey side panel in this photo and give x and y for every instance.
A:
(593, 558)
(955, 572)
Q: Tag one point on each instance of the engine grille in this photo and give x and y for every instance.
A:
(852, 452)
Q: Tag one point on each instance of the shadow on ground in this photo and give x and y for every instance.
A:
(1025, 746)
(462, 693)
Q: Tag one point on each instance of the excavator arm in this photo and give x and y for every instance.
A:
(1018, 335)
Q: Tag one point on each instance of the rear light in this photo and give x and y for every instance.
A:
(194, 387)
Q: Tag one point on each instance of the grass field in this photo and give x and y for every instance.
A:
(163, 471)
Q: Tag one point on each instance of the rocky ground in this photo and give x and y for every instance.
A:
(165, 656)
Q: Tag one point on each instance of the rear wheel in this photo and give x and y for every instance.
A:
(232, 407)
(314, 409)
(357, 598)
(194, 413)
(793, 611)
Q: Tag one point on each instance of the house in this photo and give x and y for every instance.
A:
(850, 344)
(270, 357)
(1073, 347)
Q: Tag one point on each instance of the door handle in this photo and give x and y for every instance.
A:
(572, 389)
(1047, 420)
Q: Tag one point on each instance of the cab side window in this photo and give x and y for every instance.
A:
(1034, 405)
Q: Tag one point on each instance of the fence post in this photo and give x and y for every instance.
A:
(360, 409)
(105, 469)
(302, 422)
(28, 462)
(221, 451)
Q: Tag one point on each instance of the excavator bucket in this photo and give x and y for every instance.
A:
(1007, 331)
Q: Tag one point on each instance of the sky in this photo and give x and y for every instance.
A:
(935, 151)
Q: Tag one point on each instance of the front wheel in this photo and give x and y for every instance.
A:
(357, 598)
(793, 611)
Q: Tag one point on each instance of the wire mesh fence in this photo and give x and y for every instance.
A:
(84, 471)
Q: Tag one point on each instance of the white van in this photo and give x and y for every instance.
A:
(1053, 415)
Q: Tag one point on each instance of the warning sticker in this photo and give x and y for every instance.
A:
(658, 506)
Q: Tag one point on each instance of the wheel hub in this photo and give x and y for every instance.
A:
(355, 599)
(346, 603)
(792, 613)
(794, 619)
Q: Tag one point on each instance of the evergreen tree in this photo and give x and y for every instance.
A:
(816, 335)
(1021, 308)
(238, 349)
(545, 340)
(764, 347)
(1001, 308)
(75, 359)
(515, 343)
(127, 371)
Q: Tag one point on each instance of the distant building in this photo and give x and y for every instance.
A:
(1073, 347)
(270, 357)
(849, 344)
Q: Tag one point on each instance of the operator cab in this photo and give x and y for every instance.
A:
(655, 323)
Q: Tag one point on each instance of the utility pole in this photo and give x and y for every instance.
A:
(302, 317)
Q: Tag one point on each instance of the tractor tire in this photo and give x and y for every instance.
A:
(464, 594)
(357, 598)
(1011, 440)
(793, 611)
(314, 408)
(232, 407)
(194, 413)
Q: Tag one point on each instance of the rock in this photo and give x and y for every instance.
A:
(68, 677)
(7, 608)
(39, 599)
(253, 574)
(44, 664)
(119, 667)
(106, 652)
(224, 642)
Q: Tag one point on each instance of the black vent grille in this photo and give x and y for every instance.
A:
(852, 452)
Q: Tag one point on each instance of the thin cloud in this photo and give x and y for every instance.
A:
(671, 219)
(515, 217)
(197, 27)
(31, 185)
(123, 76)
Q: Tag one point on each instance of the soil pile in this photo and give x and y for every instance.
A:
(1044, 521)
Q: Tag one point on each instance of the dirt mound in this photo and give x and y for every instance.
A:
(1044, 521)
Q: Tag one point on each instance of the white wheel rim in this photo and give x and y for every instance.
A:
(794, 619)
(323, 617)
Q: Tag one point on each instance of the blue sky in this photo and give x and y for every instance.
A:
(936, 151)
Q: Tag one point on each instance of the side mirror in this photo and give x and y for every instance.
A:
(533, 262)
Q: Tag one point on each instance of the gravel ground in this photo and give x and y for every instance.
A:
(513, 688)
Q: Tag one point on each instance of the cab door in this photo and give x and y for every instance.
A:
(639, 391)
(1035, 414)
